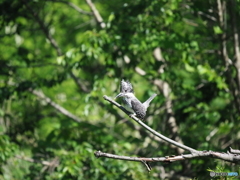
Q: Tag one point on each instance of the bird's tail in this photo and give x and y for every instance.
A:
(147, 102)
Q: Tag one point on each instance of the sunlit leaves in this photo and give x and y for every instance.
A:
(217, 30)
(212, 76)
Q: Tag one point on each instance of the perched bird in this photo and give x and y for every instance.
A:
(131, 103)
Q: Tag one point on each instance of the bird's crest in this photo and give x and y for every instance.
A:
(126, 87)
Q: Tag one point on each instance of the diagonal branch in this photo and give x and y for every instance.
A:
(55, 105)
(150, 129)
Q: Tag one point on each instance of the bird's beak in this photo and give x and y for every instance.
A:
(119, 95)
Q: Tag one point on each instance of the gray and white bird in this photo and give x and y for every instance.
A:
(131, 103)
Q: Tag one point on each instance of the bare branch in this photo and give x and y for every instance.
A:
(96, 14)
(55, 105)
(150, 129)
(224, 156)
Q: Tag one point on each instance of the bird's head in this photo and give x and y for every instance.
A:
(126, 86)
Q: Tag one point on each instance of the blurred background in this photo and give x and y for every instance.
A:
(58, 58)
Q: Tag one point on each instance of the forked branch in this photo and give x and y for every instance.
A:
(233, 156)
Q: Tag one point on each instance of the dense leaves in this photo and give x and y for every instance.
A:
(185, 51)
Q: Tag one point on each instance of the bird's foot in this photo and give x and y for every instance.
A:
(132, 115)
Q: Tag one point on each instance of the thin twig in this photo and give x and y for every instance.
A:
(147, 165)
(73, 6)
(150, 129)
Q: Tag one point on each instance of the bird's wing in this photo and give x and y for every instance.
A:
(138, 108)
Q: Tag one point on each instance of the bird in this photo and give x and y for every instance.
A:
(130, 102)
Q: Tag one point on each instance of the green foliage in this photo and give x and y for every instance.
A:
(60, 50)
(7, 148)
